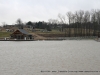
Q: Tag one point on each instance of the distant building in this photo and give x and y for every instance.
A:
(9, 26)
(21, 34)
(9, 30)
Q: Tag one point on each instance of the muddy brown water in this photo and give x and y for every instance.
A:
(70, 57)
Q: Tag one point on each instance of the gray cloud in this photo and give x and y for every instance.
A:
(41, 10)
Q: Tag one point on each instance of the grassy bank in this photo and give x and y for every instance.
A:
(49, 32)
(4, 34)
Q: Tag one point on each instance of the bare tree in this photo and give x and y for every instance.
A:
(98, 19)
(62, 18)
(4, 24)
(69, 15)
(77, 19)
(86, 20)
(94, 20)
(93, 16)
(70, 19)
(62, 21)
(53, 21)
(19, 23)
(98, 16)
(73, 19)
(81, 15)
(86, 17)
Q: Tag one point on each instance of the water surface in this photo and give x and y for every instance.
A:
(32, 57)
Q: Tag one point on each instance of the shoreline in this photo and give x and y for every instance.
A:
(51, 39)
(54, 38)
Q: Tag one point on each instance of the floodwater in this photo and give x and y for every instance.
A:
(70, 57)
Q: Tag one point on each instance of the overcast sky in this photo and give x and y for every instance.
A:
(41, 10)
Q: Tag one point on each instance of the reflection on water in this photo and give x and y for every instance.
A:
(30, 58)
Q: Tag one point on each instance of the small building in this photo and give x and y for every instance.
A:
(9, 30)
(21, 34)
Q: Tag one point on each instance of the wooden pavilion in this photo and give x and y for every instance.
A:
(21, 34)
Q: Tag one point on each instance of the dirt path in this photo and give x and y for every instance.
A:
(38, 37)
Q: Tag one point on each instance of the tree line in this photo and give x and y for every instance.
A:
(79, 23)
